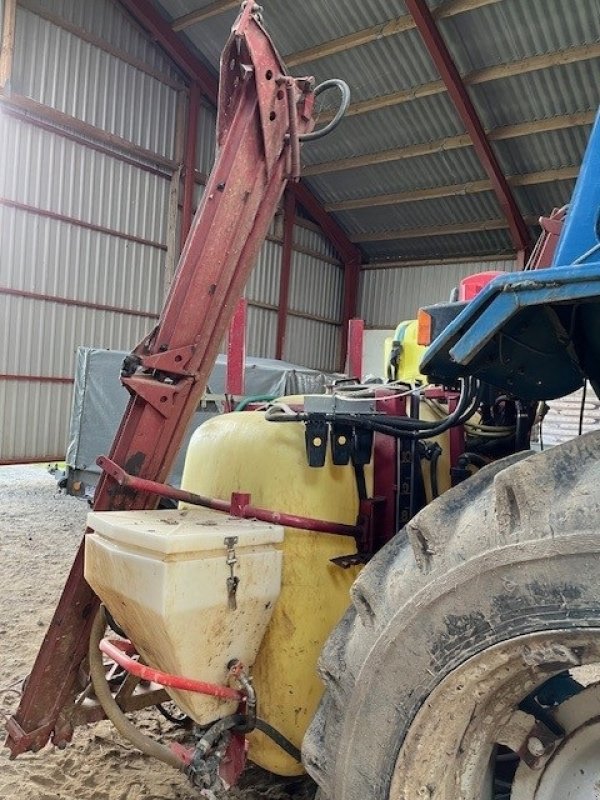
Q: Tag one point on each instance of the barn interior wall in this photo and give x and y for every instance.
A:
(87, 129)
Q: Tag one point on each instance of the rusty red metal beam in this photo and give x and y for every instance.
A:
(189, 162)
(35, 378)
(238, 506)
(289, 216)
(70, 301)
(80, 223)
(438, 50)
(349, 304)
(354, 360)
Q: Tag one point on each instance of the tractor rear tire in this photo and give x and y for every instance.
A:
(498, 577)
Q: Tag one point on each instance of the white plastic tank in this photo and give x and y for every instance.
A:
(163, 577)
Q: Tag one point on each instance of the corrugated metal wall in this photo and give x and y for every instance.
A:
(316, 284)
(388, 296)
(83, 209)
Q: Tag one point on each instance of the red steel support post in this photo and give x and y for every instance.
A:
(354, 360)
(349, 303)
(189, 176)
(438, 50)
(167, 373)
(289, 216)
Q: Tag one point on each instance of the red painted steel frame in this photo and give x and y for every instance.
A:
(356, 332)
(121, 650)
(545, 247)
(189, 176)
(436, 46)
(239, 506)
(176, 358)
(289, 216)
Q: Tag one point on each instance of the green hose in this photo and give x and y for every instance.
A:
(254, 398)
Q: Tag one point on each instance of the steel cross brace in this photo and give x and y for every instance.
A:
(259, 119)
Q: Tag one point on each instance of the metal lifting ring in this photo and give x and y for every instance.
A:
(332, 83)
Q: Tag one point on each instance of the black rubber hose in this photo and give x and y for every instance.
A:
(182, 721)
(332, 83)
(475, 459)
(405, 427)
(433, 470)
(279, 739)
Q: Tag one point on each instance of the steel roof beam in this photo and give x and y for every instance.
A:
(382, 30)
(211, 10)
(437, 49)
(440, 230)
(436, 192)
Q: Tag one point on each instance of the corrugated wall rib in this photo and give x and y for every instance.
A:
(312, 343)
(388, 296)
(56, 68)
(83, 231)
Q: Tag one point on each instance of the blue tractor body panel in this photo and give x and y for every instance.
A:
(536, 334)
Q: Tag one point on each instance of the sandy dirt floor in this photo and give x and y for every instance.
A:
(40, 530)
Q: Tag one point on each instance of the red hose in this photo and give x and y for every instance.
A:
(117, 649)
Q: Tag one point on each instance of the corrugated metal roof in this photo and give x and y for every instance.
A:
(424, 213)
(543, 151)
(457, 245)
(442, 168)
(422, 120)
(515, 29)
(541, 94)
(490, 34)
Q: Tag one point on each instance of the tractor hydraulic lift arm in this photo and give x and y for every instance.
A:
(263, 115)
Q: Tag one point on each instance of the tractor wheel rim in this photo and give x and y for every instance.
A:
(572, 771)
(449, 751)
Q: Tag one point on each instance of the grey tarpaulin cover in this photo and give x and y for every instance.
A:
(99, 401)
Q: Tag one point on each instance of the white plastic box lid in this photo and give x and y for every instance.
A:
(181, 531)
